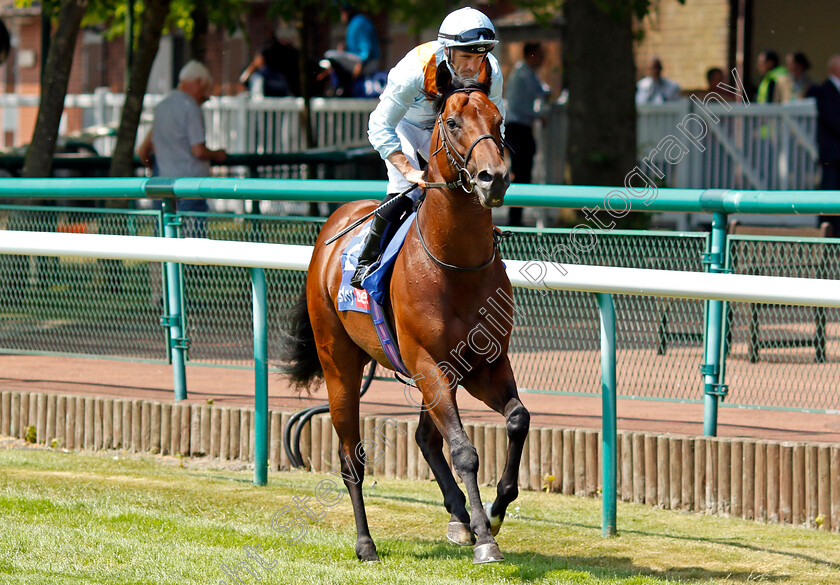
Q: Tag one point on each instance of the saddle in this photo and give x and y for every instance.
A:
(376, 283)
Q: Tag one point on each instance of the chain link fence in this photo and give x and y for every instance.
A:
(776, 356)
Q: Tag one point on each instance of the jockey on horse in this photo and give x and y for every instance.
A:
(400, 127)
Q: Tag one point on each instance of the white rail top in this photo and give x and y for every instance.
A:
(530, 274)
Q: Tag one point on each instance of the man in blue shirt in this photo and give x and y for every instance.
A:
(524, 96)
(359, 56)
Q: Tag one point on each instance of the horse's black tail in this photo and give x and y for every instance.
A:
(298, 356)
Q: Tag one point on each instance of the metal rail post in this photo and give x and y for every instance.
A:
(174, 319)
(713, 389)
(260, 377)
(608, 415)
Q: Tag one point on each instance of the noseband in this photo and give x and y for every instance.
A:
(458, 161)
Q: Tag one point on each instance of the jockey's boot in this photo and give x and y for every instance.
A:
(369, 256)
(385, 222)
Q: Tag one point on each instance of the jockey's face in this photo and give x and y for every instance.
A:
(465, 64)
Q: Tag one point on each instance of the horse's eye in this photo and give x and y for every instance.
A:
(450, 123)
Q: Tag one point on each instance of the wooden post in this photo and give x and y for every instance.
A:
(284, 459)
(137, 425)
(233, 444)
(225, 434)
(534, 458)
(61, 420)
(216, 432)
(749, 480)
(252, 434)
(90, 412)
(306, 445)
(650, 470)
(525, 464)
(712, 471)
(391, 450)
(327, 462)
(785, 482)
(625, 464)
(205, 428)
(490, 462)
(501, 451)
(245, 434)
(824, 487)
(412, 451)
(275, 443)
(687, 473)
(580, 462)
(812, 482)
(315, 429)
(380, 432)
(79, 433)
(155, 428)
(117, 442)
(761, 481)
(663, 476)
(195, 430)
(49, 422)
(24, 415)
(126, 424)
(70, 424)
(557, 460)
(545, 457)
(773, 482)
(798, 513)
(675, 467)
(41, 420)
(591, 466)
(568, 462)
(175, 429)
(700, 454)
(186, 427)
(478, 443)
(107, 423)
(724, 490)
(639, 490)
(5, 413)
(14, 415)
(402, 449)
(166, 429)
(146, 426)
(736, 476)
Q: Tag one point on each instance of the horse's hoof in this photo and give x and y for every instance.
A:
(487, 553)
(460, 533)
(495, 521)
(366, 551)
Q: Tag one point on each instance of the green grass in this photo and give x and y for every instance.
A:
(69, 518)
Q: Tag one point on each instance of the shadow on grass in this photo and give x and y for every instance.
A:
(532, 566)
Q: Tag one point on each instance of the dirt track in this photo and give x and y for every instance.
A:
(63, 375)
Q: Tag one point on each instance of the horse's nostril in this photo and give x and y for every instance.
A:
(485, 177)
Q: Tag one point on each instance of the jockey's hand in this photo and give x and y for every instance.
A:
(415, 176)
(412, 175)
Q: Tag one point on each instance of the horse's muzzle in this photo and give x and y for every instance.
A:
(491, 186)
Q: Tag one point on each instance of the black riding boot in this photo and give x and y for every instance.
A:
(385, 221)
(370, 252)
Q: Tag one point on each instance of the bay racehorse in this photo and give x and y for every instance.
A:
(452, 312)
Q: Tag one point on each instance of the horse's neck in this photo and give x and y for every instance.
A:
(456, 229)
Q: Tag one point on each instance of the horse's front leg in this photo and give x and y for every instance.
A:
(517, 422)
(444, 413)
(496, 387)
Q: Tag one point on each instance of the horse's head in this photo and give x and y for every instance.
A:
(467, 139)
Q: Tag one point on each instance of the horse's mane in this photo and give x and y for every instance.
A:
(453, 84)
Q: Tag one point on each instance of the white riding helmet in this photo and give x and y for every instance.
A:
(469, 30)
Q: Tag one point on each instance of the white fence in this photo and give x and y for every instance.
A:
(760, 146)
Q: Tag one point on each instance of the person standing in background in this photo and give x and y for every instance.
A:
(827, 95)
(798, 66)
(524, 97)
(655, 89)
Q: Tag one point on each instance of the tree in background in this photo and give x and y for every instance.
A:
(39, 155)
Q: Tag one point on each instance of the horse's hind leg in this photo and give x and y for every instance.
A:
(431, 445)
(343, 388)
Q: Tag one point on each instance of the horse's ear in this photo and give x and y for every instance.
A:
(485, 73)
(443, 78)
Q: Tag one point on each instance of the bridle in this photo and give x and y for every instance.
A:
(458, 161)
(465, 181)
